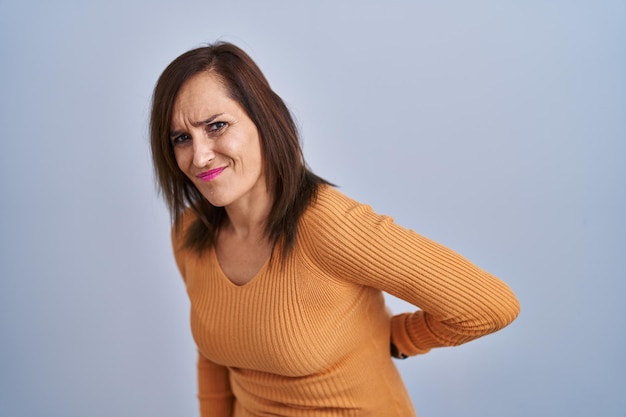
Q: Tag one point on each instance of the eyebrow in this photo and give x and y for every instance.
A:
(210, 119)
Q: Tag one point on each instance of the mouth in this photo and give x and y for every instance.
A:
(211, 174)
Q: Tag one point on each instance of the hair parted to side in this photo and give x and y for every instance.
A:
(291, 183)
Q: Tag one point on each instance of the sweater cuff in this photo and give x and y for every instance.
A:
(402, 327)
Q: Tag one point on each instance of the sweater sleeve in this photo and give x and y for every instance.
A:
(214, 391)
(457, 300)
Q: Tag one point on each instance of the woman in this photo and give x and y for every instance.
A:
(285, 274)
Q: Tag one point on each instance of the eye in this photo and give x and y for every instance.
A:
(216, 127)
(181, 139)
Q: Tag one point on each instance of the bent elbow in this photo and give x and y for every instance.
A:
(485, 316)
(507, 308)
(495, 313)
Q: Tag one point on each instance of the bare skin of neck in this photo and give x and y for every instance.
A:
(242, 247)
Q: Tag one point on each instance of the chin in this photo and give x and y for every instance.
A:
(216, 201)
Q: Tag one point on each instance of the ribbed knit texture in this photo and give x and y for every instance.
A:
(309, 336)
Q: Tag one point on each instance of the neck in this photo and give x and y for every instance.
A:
(248, 218)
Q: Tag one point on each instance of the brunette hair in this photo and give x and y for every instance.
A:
(292, 185)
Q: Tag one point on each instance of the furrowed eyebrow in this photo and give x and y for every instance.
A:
(176, 133)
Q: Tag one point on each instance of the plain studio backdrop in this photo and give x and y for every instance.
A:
(497, 128)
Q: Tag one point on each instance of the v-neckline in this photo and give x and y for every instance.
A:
(254, 278)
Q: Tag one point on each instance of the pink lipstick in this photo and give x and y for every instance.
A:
(211, 174)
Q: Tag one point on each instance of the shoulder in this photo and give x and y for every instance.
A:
(325, 211)
(330, 203)
(334, 210)
(334, 221)
(179, 235)
(180, 228)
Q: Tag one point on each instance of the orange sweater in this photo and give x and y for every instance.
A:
(309, 336)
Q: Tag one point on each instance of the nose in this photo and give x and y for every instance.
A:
(203, 152)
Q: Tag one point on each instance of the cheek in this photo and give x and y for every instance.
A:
(254, 152)
(182, 156)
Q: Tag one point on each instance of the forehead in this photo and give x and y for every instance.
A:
(202, 94)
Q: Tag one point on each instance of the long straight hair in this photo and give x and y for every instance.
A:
(291, 183)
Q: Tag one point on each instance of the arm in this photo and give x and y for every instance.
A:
(457, 300)
(214, 392)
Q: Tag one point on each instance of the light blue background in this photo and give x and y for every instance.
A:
(497, 128)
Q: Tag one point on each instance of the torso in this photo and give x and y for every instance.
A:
(297, 337)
